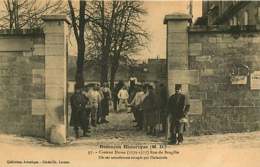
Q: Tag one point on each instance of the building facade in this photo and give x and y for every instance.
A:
(230, 13)
(220, 71)
(151, 71)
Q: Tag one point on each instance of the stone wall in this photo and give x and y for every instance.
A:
(33, 79)
(222, 75)
(228, 106)
(22, 82)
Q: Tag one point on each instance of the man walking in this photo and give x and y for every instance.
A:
(178, 107)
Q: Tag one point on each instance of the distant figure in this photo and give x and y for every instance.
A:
(79, 117)
(99, 111)
(87, 107)
(123, 99)
(117, 88)
(136, 106)
(95, 99)
(150, 107)
(105, 102)
(178, 107)
(132, 90)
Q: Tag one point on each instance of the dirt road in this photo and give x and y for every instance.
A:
(225, 150)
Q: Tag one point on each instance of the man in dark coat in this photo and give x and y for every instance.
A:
(105, 102)
(163, 97)
(79, 116)
(150, 108)
(178, 107)
(132, 91)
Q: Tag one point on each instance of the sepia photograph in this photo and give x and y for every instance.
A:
(122, 83)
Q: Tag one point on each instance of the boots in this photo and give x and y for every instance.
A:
(180, 138)
(173, 139)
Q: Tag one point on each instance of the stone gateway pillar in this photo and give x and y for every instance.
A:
(177, 54)
(56, 30)
(177, 50)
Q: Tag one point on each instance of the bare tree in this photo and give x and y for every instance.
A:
(78, 24)
(116, 34)
(18, 14)
(102, 16)
(129, 36)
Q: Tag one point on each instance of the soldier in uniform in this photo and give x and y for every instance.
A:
(79, 116)
(178, 107)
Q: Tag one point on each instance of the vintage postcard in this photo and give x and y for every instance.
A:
(129, 83)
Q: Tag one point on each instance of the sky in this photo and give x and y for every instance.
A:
(154, 24)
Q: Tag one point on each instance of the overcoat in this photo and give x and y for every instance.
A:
(105, 101)
(150, 108)
(79, 114)
(178, 106)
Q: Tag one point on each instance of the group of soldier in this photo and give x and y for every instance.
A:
(153, 110)
(89, 106)
(149, 103)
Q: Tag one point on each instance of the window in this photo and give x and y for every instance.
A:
(245, 18)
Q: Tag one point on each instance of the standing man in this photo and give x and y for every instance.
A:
(95, 99)
(132, 89)
(123, 99)
(101, 97)
(105, 102)
(117, 88)
(136, 106)
(87, 107)
(132, 92)
(150, 107)
(178, 107)
(79, 117)
(163, 97)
